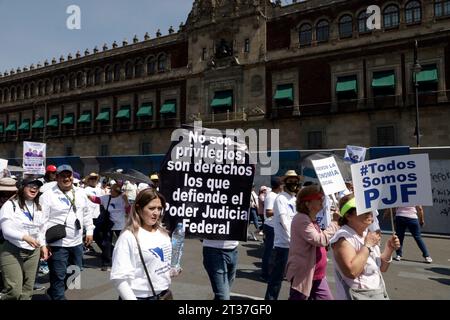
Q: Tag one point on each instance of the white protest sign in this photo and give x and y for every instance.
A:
(401, 181)
(355, 154)
(329, 175)
(34, 154)
(3, 166)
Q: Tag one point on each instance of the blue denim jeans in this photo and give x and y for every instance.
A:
(277, 276)
(268, 249)
(254, 217)
(221, 265)
(61, 259)
(401, 224)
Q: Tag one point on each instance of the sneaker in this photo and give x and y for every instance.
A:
(261, 233)
(38, 287)
(254, 236)
(428, 260)
(43, 269)
(398, 258)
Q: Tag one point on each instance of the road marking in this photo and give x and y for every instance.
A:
(245, 296)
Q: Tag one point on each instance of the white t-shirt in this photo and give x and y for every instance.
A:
(116, 209)
(94, 208)
(268, 205)
(407, 212)
(126, 262)
(55, 206)
(130, 190)
(283, 213)
(370, 277)
(220, 244)
(16, 224)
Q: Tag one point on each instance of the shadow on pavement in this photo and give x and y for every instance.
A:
(442, 280)
(444, 271)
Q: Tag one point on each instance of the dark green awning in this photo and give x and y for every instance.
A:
(284, 91)
(25, 125)
(123, 114)
(146, 110)
(383, 80)
(429, 75)
(38, 124)
(11, 127)
(346, 84)
(53, 123)
(68, 120)
(222, 99)
(103, 116)
(85, 118)
(168, 107)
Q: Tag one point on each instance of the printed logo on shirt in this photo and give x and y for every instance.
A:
(292, 207)
(65, 200)
(112, 205)
(158, 253)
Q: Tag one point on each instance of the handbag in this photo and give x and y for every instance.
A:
(58, 231)
(364, 294)
(164, 295)
(103, 222)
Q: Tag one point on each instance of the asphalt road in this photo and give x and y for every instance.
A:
(408, 279)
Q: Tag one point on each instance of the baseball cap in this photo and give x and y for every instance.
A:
(51, 168)
(64, 167)
(29, 180)
(154, 177)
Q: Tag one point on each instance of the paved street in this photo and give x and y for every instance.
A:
(408, 279)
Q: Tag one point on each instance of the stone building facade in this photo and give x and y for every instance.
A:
(311, 69)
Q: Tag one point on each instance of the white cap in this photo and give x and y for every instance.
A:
(142, 186)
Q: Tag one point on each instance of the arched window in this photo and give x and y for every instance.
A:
(55, 85)
(40, 88)
(19, 92)
(97, 76)
(413, 12)
(129, 68)
(72, 81)
(138, 68)
(305, 35)
(346, 26)
(12, 96)
(117, 72)
(62, 84)
(151, 65)
(6, 95)
(108, 74)
(162, 62)
(390, 17)
(89, 78)
(362, 22)
(441, 8)
(26, 91)
(32, 92)
(322, 31)
(47, 87)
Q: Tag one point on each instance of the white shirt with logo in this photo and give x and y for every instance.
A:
(116, 209)
(94, 207)
(126, 262)
(283, 213)
(15, 224)
(57, 208)
(268, 205)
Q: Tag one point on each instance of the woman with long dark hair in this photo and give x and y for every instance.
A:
(143, 239)
(22, 224)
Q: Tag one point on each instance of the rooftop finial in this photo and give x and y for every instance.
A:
(105, 47)
(171, 30)
(46, 62)
(124, 42)
(69, 57)
(135, 39)
(78, 54)
(19, 70)
(146, 36)
(61, 59)
(95, 49)
(32, 66)
(86, 52)
(158, 33)
(54, 60)
(114, 45)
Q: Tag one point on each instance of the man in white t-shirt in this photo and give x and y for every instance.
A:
(269, 202)
(284, 210)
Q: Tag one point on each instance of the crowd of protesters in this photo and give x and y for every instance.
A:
(56, 219)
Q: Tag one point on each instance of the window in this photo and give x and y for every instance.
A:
(40, 88)
(162, 62)
(441, 8)
(151, 65)
(145, 148)
(129, 70)
(32, 92)
(247, 45)
(347, 87)
(68, 151)
(19, 93)
(390, 17)
(383, 83)
(323, 31)
(72, 82)
(315, 140)
(62, 84)
(108, 74)
(362, 22)
(204, 54)
(26, 92)
(104, 150)
(79, 79)
(97, 76)
(346, 26)
(13, 94)
(386, 136)
(139, 68)
(117, 72)
(89, 78)
(413, 12)
(47, 87)
(305, 35)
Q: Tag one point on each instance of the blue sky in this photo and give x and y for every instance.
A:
(34, 30)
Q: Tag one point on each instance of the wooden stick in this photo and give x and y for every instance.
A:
(392, 221)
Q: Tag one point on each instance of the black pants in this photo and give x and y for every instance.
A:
(104, 241)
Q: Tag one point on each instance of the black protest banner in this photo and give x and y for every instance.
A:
(206, 178)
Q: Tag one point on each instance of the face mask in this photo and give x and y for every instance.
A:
(292, 187)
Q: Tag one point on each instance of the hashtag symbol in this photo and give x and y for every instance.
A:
(364, 170)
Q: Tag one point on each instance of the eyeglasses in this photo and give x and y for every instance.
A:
(32, 186)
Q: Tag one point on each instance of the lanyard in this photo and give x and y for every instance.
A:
(72, 201)
(28, 213)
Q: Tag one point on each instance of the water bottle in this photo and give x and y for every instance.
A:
(177, 248)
